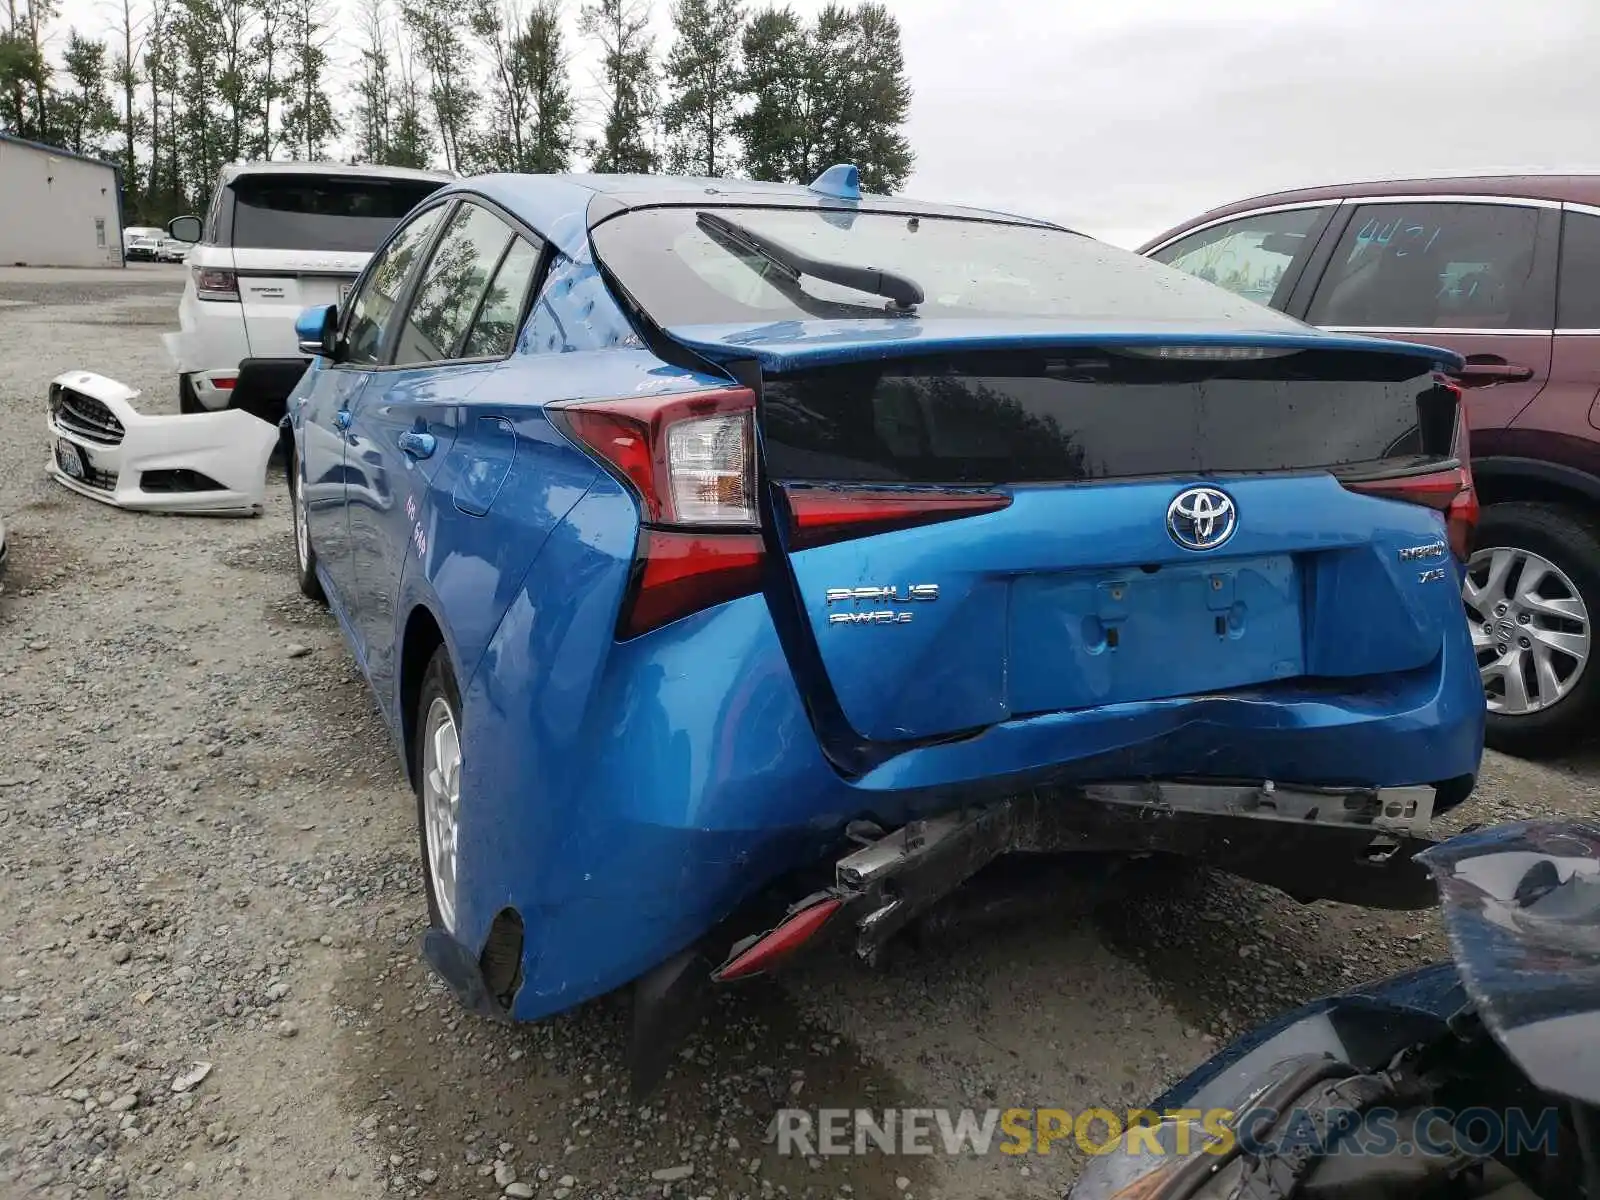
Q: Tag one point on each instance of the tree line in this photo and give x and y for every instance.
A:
(178, 88)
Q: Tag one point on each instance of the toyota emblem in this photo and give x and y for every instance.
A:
(1202, 518)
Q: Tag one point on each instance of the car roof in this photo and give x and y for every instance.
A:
(1574, 187)
(346, 170)
(565, 207)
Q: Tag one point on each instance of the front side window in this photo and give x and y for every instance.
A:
(372, 308)
(1432, 266)
(452, 286)
(1249, 256)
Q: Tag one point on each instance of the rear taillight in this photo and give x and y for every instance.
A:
(211, 283)
(819, 514)
(1450, 491)
(691, 462)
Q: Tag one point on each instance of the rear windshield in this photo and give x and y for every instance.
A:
(1078, 416)
(316, 212)
(680, 275)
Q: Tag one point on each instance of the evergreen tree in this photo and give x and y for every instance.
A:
(774, 131)
(234, 77)
(435, 27)
(125, 75)
(86, 114)
(834, 92)
(410, 139)
(543, 57)
(702, 74)
(503, 146)
(194, 140)
(308, 119)
(627, 86)
(374, 88)
(269, 52)
(866, 106)
(25, 71)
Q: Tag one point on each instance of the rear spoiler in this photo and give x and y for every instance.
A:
(785, 346)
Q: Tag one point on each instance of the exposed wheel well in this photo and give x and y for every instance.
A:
(422, 638)
(1499, 487)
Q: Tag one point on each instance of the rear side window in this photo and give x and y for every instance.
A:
(680, 274)
(320, 212)
(453, 285)
(1250, 256)
(1433, 266)
(1578, 305)
(494, 331)
(1069, 417)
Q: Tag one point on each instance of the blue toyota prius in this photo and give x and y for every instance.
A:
(742, 565)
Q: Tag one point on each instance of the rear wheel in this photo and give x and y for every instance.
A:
(1532, 584)
(436, 770)
(305, 556)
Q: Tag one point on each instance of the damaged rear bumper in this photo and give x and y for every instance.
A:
(212, 463)
(1352, 845)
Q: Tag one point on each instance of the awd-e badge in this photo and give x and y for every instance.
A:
(880, 596)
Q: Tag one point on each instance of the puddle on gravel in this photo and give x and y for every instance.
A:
(442, 1091)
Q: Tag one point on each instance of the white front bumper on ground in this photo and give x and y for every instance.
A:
(229, 448)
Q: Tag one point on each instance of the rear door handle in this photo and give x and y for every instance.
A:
(342, 418)
(1491, 368)
(417, 445)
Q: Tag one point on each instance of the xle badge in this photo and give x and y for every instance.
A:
(880, 596)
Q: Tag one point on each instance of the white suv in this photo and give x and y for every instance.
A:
(278, 238)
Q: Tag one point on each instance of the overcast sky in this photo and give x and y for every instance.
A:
(1123, 117)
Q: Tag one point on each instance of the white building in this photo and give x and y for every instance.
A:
(57, 209)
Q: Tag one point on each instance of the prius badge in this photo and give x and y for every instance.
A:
(852, 604)
(1202, 518)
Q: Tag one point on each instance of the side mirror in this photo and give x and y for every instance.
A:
(317, 330)
(186, 229)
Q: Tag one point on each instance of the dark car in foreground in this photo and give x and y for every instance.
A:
(1464, 1080)
(1504, 270)
(740, 564)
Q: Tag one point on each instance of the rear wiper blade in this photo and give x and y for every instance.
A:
(906, 293)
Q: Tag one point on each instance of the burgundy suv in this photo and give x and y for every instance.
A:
(1506, 271)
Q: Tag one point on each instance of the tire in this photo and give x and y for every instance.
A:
(305, 554)
(438, 690)
(188, 402)
(1569, 542)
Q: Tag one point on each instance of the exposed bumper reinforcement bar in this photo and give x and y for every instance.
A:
(1353, 846)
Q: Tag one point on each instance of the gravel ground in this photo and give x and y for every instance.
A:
(210, 898)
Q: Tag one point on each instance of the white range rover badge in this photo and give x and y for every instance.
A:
(852, 604)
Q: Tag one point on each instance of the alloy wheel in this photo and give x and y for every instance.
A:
(441, 804)
(302, 534)
(1530, 629)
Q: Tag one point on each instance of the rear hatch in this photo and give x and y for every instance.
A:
(301, 239)
(1097, 526)
(1175, 493)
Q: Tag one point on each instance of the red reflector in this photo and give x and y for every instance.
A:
(821, 515)
(678, 572)
(772, 948)
(225, 382)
